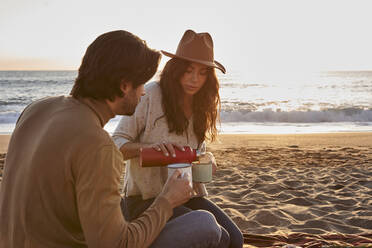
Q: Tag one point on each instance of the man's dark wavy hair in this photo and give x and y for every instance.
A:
(113, 57)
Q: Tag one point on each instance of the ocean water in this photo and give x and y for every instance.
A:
(285, 103)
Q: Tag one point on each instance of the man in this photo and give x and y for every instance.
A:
(62, 170)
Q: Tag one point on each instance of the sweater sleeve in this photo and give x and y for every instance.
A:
(98, 201)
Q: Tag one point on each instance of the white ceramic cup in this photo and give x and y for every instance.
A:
(184, 168)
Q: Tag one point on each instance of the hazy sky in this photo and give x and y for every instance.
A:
(251, 36)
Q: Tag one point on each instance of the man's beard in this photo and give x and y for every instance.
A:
(129, 104)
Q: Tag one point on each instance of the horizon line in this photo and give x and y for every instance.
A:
(60, 70)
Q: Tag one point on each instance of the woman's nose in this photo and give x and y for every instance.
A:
(195, 77)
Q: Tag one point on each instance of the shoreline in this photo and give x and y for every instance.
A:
(4, 141)
(350, 139)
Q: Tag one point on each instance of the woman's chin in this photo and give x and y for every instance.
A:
(190, 92)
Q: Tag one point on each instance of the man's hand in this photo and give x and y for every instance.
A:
(176, 190)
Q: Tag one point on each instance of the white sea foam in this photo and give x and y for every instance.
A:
(331, 115)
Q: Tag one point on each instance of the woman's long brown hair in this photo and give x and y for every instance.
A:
(206, 102)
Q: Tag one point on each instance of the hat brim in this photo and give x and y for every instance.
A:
(214, 64)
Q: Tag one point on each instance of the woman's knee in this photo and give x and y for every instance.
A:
(236, 239)
(207, 220)
(208, 225)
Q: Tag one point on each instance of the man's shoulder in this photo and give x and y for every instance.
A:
(40, 106)
(96, 137)
(69, 116)
(53, 103)
(48, 100)
(91, 138)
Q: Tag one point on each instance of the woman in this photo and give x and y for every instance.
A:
(179, 110)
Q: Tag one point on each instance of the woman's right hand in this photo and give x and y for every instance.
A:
(167, 148)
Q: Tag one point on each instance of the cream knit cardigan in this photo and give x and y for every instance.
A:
(148, 125)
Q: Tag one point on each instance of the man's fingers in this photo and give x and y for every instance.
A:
(189, 191)
(176, 174)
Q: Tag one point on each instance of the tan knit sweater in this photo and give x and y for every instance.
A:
(61, 182)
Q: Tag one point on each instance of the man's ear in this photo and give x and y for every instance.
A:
(125, 86)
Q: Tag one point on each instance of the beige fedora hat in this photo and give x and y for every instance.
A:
(196, 47)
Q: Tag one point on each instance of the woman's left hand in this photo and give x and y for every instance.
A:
(213, 160)
(214, 167)
(196, 189)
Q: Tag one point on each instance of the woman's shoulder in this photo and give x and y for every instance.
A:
(153, 92)
(153, 88)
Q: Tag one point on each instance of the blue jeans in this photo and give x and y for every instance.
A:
(180, 232)
(133, 206)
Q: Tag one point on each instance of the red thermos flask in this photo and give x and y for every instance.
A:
(149, 157)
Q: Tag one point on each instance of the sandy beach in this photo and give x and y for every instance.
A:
(276, 185)
(308, 183)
